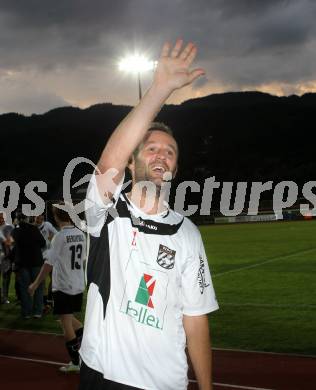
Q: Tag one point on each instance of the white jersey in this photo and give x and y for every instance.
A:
(66, 256)
(47, 230)
(144, 273)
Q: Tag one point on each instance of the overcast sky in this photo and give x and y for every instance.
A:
(57, 53)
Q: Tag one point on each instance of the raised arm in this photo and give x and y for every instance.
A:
(172, 72)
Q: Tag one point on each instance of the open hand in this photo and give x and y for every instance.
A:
(173, 69)
(31, 289)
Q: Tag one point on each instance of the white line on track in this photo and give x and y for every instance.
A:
(31, 331)
(271, 305)
(233, 386)
(294, 355)
(239, 387)
(263, 262)
(32, 360)
(190, 380)
(213, 348)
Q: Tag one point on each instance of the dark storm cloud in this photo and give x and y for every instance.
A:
(48, 13)
(53, 32)
(241, 42)
(278, 46)
(69, 28)
(231, 9)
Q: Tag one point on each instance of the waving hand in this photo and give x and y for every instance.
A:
(173, 70)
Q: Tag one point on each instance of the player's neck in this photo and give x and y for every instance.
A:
(65, 224)
(148, 203)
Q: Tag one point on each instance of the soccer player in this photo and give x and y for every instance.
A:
(66, 261)
(46, 228)
(48, 231)
(150, 287)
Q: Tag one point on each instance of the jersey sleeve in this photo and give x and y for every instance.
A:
(55, 249)
(197, 288)
(51, 228)
(96, 209)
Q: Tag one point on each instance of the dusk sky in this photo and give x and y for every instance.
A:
(64, 53)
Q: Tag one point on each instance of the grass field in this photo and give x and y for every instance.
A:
(264, 277)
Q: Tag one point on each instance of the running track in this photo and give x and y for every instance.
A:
(30, 361)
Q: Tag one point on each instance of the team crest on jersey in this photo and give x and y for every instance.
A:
(166, 257)
(201, 276)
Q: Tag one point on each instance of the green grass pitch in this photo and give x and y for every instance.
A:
(265, 282)
(264, 275)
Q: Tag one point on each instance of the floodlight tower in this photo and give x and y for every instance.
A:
(136, 64)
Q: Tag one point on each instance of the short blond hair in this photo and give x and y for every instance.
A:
(154, 126)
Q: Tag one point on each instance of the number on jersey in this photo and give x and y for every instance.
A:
(76, 253)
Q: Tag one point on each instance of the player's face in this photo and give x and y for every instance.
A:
(157, 156)
(39, 219)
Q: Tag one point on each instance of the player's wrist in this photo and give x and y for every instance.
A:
(161, 91)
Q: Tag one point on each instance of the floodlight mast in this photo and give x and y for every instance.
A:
(140, 95)
(136, 64)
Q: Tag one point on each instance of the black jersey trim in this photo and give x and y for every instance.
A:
(98, 267)
(147, 226)
(167, 213)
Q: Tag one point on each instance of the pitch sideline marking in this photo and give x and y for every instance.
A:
(291, 355)
(31, 331)
(233, 386)
(32, 360)
(213, 348)
(190, 380)
(263, 262)
(239, 387)
(271, 305)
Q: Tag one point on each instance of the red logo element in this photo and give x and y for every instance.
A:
(134, 238)
(150, 287)
(145, 290)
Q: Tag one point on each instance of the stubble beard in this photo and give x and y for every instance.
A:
(142, 174)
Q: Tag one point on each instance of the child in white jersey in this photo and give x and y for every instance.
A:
(65, 259)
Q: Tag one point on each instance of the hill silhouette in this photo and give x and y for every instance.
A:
(248, 136)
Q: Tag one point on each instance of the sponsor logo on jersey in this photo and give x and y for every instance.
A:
(166, 257)
(146, 301)
(201, 276)
(145, 290)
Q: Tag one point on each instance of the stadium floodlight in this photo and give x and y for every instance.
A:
(136, 64)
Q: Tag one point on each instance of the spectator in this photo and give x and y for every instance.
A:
(28, 243)
(5, 257)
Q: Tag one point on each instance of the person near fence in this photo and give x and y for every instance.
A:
(6, 259)
(28, 259)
